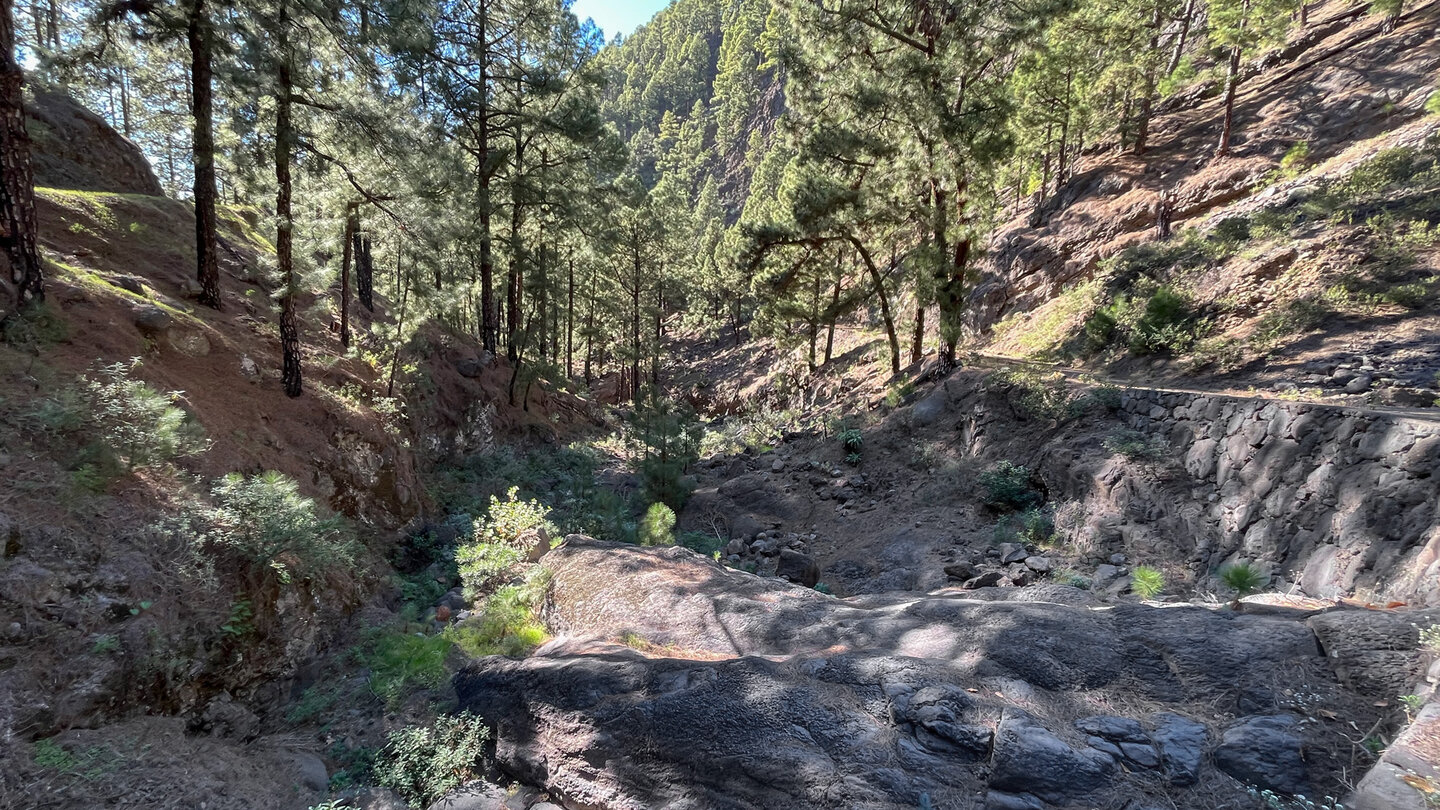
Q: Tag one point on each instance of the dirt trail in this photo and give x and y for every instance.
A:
(1090, 377)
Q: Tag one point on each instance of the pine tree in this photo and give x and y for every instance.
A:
(17, 184)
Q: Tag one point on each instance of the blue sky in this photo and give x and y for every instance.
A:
(618, 16)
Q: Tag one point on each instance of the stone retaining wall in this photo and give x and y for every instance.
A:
(1335, 500)
(1340, 498)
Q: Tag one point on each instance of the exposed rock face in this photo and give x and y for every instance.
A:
(1331, 499)
(75, 149)
(776, 696)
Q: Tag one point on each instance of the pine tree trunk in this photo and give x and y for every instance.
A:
(1181, 39)
(1142, 130)
(1232, 81)
(834, 313)
(207, 263)
(347, 253)
(364, 272)
(284, 241)
(17, 181)
(513, 291)
(884, 304)
(570, 321)
(917, 341)
(590, 330)
(635, 328)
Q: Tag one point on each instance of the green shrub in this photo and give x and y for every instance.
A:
(1134, 444)
(139, 425)
(851, 439)
(1430, 638)
(854, 459)
(314, 702)
(1034, 526)
(1075, 579)
(1295, 160)
(1242, 578)
(1147, 582)
(34, 327)
(1008, 488)
(667, 438)
(706, 543)
(401, 663)
(272, 529)
(422, 764)
(897, 394)
(508, 622)
(658, 527)
(1432, 104)
(496, 548)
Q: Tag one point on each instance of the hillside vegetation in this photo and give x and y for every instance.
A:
(797, 403)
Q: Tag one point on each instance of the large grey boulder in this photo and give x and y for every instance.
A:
(1264, 751)
(1182, 747)
(1030, 758)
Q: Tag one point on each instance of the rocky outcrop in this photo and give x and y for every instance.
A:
(772, 695)
(73, 148)
(1336, 501)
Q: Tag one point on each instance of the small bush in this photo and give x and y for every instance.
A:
(1075, 579)
(851, 439)
(496, 549)
(1136, 445)
(401, 663)
(37, 326)
(424, 763)
(658, 526)
(897, 394)
(1430, 638)
(706, 543)
(1432, 104)
(1037, 396)
(266, 523)
(1147, 582)
(1008, 488)
(140, 425)
(1243, 578)
(508, 622)
(1034, 526)
(1295, 160)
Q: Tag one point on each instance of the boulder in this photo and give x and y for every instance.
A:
(310, 771)
(535, 542)
(960, 571)
(73, 148)
(928, 411)
(153, 322)
(474, 796)
(1040, 565)
(772, 695)
(1359, 384)
(1012, 552)
(990, 579)
(1182, 747)
(1265, 751)
(799, 568)
(1030, 758)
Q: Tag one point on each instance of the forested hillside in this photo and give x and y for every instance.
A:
(993, 405)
